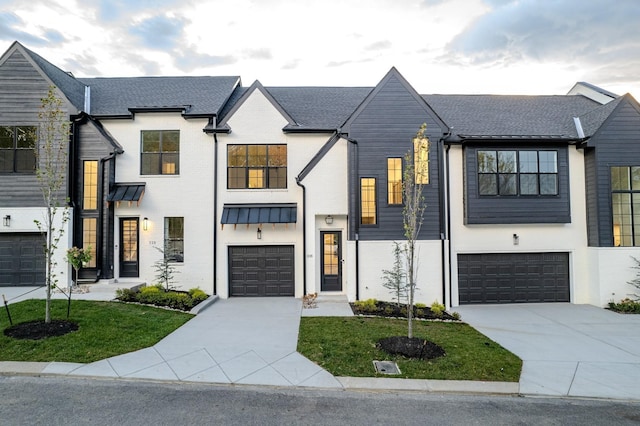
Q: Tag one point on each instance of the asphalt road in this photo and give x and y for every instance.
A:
(66, 401)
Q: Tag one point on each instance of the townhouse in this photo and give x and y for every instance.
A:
(284, 191)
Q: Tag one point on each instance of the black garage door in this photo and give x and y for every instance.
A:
(21, 260)
(261, 271)
(513, 277)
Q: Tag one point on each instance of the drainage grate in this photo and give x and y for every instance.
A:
(386, 367)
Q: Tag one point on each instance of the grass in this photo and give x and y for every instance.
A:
(346, 347)
(105, 329)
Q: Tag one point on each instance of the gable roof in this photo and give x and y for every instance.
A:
(308, 109)
(73, 89)
(196, 96)
(506, 116)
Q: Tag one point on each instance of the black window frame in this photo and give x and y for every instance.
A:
(174, 241)
(240, 167)
(18, 153)
(375, 201)
(633, 193)
(389, 189)
(506, 177)
(160, 154)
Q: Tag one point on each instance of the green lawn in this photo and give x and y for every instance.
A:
(105, 329)
(346, 347)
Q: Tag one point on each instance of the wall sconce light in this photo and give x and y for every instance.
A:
(6, 221)
(516, 239)
(328, 220)
(145, 224)
(259, 234)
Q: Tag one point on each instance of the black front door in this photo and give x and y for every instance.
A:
(129, 240)
(331, 261)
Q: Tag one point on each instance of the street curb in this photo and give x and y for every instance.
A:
(427, 385)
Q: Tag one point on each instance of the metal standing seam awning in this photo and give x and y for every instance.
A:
(235, 214)
(129, 192)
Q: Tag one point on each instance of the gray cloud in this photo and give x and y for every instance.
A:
(560, 30)
(113, 10)
(187, 59)
(262, 53)
(379, 45)
(159, 32)
(9, 24)
(291, 65)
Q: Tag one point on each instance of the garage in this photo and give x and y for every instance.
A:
(513, 278)
(21, 260)
(261, 271)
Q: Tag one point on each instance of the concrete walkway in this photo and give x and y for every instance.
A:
(567, 350)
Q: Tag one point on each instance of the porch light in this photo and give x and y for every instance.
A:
(259, 234)
(516, 239)
(145, 224)
(6, 221)
(328, 220)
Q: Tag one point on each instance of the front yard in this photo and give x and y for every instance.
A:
(105, 329)
(347, 347)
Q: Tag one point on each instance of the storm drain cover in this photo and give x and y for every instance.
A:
(386, 367)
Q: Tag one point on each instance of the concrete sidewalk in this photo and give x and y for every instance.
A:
(567, 349)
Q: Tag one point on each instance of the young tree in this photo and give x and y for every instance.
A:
(394, 278)
(165, 270)
(416, 174)
(51, 173)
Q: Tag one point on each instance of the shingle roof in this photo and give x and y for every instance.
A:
(508, 115)
(70, 86)
(200, 95)
(319, 107)
(592, 120)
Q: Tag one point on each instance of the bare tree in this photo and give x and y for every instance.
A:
(51, 173)
(416, 174)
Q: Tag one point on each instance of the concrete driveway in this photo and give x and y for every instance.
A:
(567, 350)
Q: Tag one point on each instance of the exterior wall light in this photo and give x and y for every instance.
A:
(516, 239)
(328, 220)
(6, 221)
(145, 224)
(259, 234)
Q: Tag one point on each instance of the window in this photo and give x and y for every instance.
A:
(174, 239)
(368, 201)
(90, 238)
(90, 185)
(17, 145)
(625, 202)
(421, 160)
(394, 180)
(517, 172)
(160, 153)
(256, 166)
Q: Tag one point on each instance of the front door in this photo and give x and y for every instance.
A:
(331, 267)
(129, 247)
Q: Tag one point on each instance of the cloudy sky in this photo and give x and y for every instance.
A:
(440, 46)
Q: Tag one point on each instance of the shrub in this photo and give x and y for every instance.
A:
(456, 316)
(419, 305)
(156, 295)
(369, 305)
(626, 306)
(437, 309)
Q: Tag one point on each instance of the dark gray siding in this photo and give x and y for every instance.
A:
(385, 128)
(591, 196)
(617, 143)
(516, 209)
(21, 91)
(91, 145)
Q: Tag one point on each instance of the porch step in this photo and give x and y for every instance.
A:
(332, 298)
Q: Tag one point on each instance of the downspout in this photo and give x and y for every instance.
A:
(304, 235)
(215, 212)
(356, 220)
(448, 189)
(443, 172)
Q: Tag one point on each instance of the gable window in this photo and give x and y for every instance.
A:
(421, 160)
(174, 239)
(17, 149)
(368, 201)
(160, 152)
(256, 166)
(625, 202)
(524, 172)
(90, 185)
(394, 181)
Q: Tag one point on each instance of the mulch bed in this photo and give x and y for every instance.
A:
(37, 330)
(413, 347)
(389, 309)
